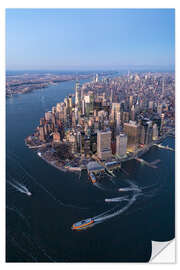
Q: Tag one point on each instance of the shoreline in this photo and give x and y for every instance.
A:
(40, 88)
(79, 169)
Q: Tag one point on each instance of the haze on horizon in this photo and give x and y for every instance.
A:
(87, 39)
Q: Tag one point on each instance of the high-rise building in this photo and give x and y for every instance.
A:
(132, 130)
(88, 104)
(132, 114)
(121, 144)
(58, 107)
(78, 139)
(163, 88)
(41, 133)
(48, 115)
(53, 110)
(87, 146)
(76, 113)
(77, 95)
(96, 78)
(146, 131)
(130, 101)
(125, 117)
(118, 122)
(162, 121)
(42, 121)
(159, 108)
(104, 144)
(111, 96)
(149, 133)
(151, 105)
(66, 101)
(73, 143)
(114, 110)
(70, 101)
(56, 137)
(91, 99)
(142, 135)
(155, 132)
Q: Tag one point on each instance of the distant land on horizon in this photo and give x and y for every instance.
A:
(132, 69)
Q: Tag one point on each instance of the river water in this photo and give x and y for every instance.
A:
(38, 227)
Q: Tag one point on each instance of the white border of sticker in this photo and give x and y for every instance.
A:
(168, 253)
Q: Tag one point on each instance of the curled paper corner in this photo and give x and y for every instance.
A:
(163, 252)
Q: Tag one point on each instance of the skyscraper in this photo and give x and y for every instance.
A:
(162, 121)
(41, 134)
(48, 115)
(132, 113)
(155, 132)
(115, 109)
(118, 122)
(56, 137)
(104, 144)
(132, 130)
(142, 135)
(70, 101)
(149, 133)
(121, 144)
(159, 109)
(130, 101)
(163, 88)
(77, 94)
(96, 78)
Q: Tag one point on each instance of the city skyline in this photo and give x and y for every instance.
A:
(86, 39)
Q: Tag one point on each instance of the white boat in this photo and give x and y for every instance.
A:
(39, 154)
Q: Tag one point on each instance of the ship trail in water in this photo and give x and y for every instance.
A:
(19, 187)
(42, 187)
(137, 192)
(129, 189)
(118, 212)
(118, 199)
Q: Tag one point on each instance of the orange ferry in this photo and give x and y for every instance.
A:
(82, 224)
(92, 177)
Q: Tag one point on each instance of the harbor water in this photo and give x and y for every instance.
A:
(38, 227)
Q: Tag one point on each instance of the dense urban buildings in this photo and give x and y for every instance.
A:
(107, 120)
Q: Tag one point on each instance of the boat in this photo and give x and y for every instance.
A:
(82, 224)
(39, 154)
(92, 177)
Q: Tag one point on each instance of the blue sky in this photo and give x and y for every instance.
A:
(89, 38)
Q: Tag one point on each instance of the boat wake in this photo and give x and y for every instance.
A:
(19, 187)
(27, 175)
(118, 199)
(130, 189)
(116, 211)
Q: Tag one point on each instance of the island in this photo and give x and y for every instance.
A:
(107, 121)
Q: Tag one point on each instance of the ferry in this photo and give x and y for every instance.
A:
(29, 193)
(82, 224)
(92, 177)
